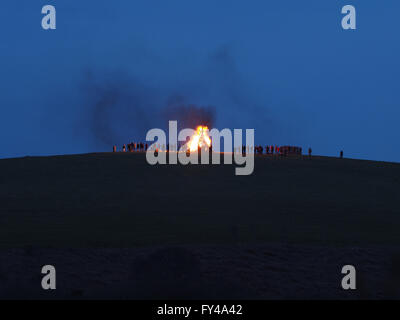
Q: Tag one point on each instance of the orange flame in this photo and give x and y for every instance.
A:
(199, 139)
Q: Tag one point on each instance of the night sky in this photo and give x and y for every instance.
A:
(113, 69)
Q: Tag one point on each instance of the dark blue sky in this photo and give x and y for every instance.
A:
(286, 68)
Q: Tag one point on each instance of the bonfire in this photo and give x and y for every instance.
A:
(200, 139)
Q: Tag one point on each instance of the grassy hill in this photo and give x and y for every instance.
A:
(119, 200)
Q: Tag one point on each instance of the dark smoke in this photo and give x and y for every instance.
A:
(121, 106)
(121, 109)
(189, 115)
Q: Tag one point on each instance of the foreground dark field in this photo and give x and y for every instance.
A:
(117, 227)
(120, 200)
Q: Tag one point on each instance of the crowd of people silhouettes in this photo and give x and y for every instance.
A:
(268, 149)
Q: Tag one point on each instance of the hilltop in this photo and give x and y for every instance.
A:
(117, 199)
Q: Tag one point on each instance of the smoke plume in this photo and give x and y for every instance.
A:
(122, 106)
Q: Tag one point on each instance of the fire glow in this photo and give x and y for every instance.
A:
(200, 139)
